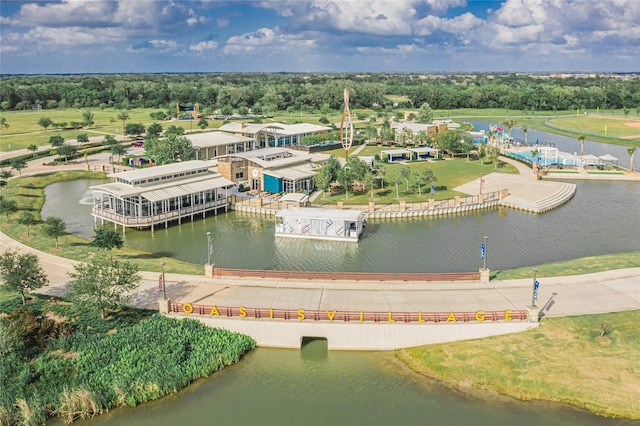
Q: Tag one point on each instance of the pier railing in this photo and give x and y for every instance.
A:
(353, 276)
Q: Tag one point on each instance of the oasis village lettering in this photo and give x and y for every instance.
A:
(361, 316)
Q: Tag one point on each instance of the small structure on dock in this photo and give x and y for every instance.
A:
(320, 224)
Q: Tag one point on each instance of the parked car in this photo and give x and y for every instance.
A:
(137, 143)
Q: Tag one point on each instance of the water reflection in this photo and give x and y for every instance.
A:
(316, 387)
(600, 219)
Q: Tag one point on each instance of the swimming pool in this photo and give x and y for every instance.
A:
(563, 158)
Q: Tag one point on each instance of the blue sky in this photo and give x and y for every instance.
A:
(77, 36)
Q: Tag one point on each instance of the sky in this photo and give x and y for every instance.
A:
(135, 36)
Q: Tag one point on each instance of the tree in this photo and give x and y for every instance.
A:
(631, 151)
(107, 239)
(525, 129)
(425, 114)
(54, 227)
(123, 116)
(396, 177)
(82, 138)
(323, 179)
(27, 219)
(5, 175)
(118, 150)
(494, 154)
(173, 130)
(33, 148)
(170, 149)
(581, 138)
(345, 179)
(56, 141)
(405, 172)
(134, 129)
(103, 283)
(379, 171)
(371, 133)
(203, 123)
(87, 118)
(109, 140)
(3, 123)
(368, 180)
(18, 163)
(154, 130)
(8, 207)
(21, 272)
(45, 122)
(67, 151)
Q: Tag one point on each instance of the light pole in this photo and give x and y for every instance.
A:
(164, 283)
(534, 294)
(209, 248)
(484, 253)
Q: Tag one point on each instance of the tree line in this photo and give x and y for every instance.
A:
(263, 93)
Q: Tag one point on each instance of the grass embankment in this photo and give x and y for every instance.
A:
(583, 265)
(60, 361)
(564, 360)
(28, 192)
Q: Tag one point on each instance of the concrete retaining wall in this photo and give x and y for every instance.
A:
(359, 336)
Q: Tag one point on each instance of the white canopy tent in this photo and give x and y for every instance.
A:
(609, 158)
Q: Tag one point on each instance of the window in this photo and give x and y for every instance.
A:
(239, 175)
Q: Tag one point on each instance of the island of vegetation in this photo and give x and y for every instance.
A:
(57, 359)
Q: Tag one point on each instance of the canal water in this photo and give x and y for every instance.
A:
(315, 387)
(601, 218)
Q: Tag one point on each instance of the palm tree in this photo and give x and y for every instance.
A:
(581, 138)
(525, 129)
(123, 116)
(631, 151)
(509, 124)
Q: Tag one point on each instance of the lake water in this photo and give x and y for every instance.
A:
(315, 387)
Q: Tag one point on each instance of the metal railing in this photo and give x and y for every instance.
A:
(338, 276)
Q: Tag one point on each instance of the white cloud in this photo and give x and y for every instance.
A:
(203, 45)
(265, 38)
(164, 45)
(222, 22)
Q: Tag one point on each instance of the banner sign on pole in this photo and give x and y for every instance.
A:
(482, 251)
(535, 290)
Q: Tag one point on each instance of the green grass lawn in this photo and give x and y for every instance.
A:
(450, 174)
(565, 360)
(23, 127)
(615, 126)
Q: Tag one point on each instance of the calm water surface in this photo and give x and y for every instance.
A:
(603, 217)
(316, 387)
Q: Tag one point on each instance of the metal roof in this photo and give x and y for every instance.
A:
(165, 190)
(209, 139)
(320, 213)
(167, 169)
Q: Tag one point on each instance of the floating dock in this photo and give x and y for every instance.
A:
(320, 224)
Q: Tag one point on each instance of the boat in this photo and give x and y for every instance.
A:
(320, 224)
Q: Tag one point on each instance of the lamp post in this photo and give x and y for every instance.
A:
(484, 253)
(209, 248)
(164, 283)
(534, 293)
